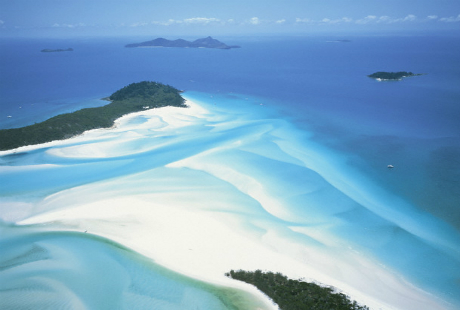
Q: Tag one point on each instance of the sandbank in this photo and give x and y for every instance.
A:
(192, 228)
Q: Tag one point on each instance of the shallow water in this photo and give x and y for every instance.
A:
(294, 145)
(44, 270)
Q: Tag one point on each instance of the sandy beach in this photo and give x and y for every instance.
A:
(195, 213)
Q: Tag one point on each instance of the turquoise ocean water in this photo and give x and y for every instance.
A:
(317, 133)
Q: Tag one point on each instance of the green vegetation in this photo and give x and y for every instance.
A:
(132, 98)
(294, 294)
(396, 76)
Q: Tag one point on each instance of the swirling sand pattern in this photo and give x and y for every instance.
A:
(206, 189)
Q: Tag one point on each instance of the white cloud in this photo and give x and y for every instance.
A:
(56, 25)
(409, 18)
(171, 21)
(336, 21)
(190, 21)
(451, 19)
(303, 20)
(138, 24)
(254, 21)
(325, 20)
(201, 20)
(384, 19)
(367, 19)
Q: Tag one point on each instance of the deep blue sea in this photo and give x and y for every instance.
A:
(407, 217)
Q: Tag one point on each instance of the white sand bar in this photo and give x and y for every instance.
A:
(184, 194)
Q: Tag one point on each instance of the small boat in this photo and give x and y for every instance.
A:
(390, 166)
(9, 116)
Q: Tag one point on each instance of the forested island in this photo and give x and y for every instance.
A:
(132, 98)
(291, 294)
(392, 76)
(200, 43)
(47, 50)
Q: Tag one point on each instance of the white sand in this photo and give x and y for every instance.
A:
(176, 227)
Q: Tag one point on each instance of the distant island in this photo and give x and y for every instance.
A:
(291, 294)
(200, 43)
(132, 98)
(392, 76)
(47, 50)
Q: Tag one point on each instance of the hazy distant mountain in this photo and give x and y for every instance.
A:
(200, 43)
(47, 50)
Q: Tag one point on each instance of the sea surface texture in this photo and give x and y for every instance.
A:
(280, 163)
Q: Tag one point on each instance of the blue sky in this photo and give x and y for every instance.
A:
(223, 17)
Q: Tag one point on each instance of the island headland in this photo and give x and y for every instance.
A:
(48, 50)
(132, 98)
(295, 294)
(208, 42)
(392, 76)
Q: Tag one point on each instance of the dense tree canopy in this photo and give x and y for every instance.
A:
(291, 294)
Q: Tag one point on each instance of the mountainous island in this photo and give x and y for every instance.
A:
(392, 76)
(208, 42)
(47, 50)
(132, 98)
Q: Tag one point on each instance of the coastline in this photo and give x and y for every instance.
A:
(179, 224)
(131, 98)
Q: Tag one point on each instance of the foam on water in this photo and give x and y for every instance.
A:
(258, 178)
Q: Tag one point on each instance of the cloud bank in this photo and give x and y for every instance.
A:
(259, 23)
(367, 20)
